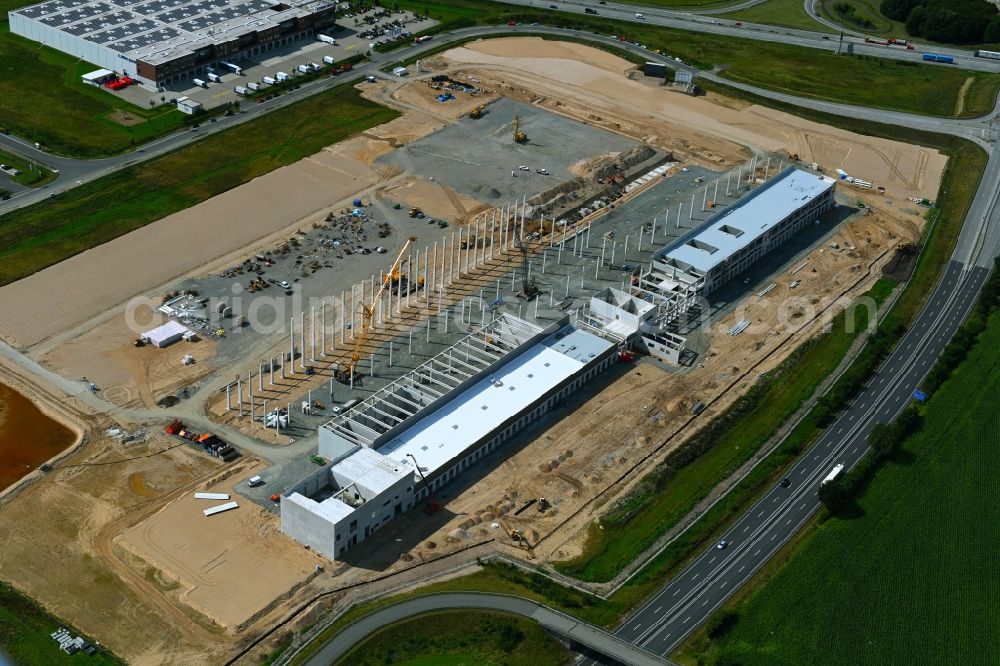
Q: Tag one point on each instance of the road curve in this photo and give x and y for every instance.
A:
(554, 621)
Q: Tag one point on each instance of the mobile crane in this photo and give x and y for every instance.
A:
(347, 374)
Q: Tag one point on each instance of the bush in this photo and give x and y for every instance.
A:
(722, 623)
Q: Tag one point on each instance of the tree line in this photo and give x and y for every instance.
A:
(950, 21)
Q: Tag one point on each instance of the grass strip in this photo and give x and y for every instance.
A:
(460, 637)
(32, 173)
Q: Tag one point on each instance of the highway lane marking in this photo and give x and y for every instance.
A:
(760, 514)
(705, 602)
(637, 626)
(696, 575)
(742, 568)
(711, 560)
(686, 620)
(803, 505)
(677, 591)
(658, 609)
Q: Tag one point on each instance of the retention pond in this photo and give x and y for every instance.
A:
(28, 437)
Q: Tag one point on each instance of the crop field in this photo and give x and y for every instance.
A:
(916, 575)
(41, 235)
(71, 118)
(460, 637)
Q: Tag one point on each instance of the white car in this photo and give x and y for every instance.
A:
(381, 250)
(544, 172)
(284, 284)
(640, 16)
(722, 544)
(524, 168)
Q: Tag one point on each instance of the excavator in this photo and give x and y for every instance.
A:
(349, 373)
(519, 135)
(477, 112)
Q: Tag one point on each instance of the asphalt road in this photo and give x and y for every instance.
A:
(554, 621)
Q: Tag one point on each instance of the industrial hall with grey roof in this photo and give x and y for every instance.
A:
(167, 41)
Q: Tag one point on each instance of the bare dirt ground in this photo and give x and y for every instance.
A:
(229, 566)
(587, 83)
(434, 199)
(127, 375)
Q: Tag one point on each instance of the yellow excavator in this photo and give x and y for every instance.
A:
(519, 135)
(349, 372)
(477, 112)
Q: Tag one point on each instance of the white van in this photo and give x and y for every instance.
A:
(640, 16)
(255, 481)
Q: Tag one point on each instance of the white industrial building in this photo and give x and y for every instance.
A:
(160, 42)
(730, 241)
(443, 416)
(683, 273)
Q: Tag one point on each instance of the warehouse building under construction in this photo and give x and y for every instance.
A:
(410, 438)
(422, 431)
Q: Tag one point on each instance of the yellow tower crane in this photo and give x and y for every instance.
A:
(349, 372)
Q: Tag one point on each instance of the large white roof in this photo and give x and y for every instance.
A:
(731, 230)
(445, 433)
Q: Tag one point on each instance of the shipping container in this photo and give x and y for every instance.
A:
(995, 55)
(253, 85)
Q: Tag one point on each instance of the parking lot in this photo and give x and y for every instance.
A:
(356, 34)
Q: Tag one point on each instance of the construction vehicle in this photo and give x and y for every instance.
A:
(435, 505)
(517, 537)
(477, 112)
(349, 372)
(416, 212)
(528, 289)
(519, 135)
(275, 498)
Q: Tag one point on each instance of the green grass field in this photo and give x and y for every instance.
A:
(912, 580)
(460, 638)
(785, 13)
(25, 634)
(72, 118)
(38, 236)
